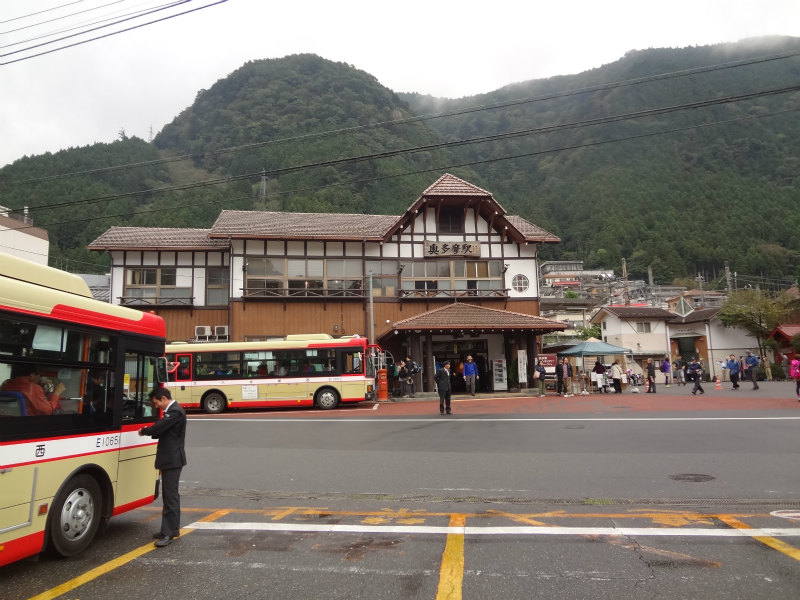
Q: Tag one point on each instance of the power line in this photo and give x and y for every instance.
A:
(435, 146)
(107, 34)
(422, 118)
(80, 12)
(40, 12)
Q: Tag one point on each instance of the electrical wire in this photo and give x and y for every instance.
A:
(436, 146)
(422, 118)
(8, 62)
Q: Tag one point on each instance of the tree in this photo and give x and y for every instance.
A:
(753, 311)
(584, 333)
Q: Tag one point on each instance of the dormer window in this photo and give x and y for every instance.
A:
(451, 219)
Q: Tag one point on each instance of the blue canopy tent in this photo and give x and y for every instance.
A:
(593, 347)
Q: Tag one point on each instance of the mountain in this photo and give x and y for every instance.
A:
(676, 159)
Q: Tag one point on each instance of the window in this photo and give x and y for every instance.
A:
(451, 219)
(217, 285)
(384, 276)
(304, 277)
(473, 278)
(520, 283)
(643, 327)
(156, 285)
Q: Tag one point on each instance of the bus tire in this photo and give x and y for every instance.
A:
(326, 398)
(214, 403)
(75, 516)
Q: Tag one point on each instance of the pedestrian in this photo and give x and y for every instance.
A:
(470, 375)
(616, 377)
(443, 387)
(751, 368)
(600, 375)
(170, 431)
(567, 371)
(650, 367)
(404, 378)
(794, 373)
(767, 368)
(785, 365)
(679, 365)
(696, 371)
(665, 370)
(732, 366)
(413, 369)
(559, 377)
(539, 374)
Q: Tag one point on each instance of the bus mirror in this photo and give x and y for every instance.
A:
(161, 369)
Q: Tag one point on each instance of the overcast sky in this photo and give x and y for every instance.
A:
(140, 80)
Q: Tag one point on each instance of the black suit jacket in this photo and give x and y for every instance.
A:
(170, 431)
(443, 380)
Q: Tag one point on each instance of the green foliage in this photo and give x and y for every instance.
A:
(678, 203)
(753, 311)
(795, 342)
(584, 333)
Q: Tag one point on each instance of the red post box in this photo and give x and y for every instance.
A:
(383, 384)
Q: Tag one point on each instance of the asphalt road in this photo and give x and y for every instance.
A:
(662, 495)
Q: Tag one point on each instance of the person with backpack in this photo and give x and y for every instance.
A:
(413, 368)
(664, 368)
(732, 366)
(794, 373)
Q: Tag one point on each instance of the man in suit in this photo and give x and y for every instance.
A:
(443, 386)
(170, 430)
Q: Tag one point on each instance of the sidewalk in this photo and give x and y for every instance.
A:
(767, 389)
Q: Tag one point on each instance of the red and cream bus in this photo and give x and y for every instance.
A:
(75, 374)
(298, 370)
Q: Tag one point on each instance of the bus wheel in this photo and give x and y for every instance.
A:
(75, 516)
(214, 403)
(326, 398)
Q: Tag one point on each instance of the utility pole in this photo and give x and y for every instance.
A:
(702, 292)
(262, 190)
(728, 277)
(626, 292)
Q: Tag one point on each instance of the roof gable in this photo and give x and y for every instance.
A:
(461, 316)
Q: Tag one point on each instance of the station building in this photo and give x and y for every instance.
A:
(453, 275)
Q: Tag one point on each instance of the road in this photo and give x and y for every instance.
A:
(606, 496)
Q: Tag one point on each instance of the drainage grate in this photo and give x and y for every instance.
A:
(692, 477)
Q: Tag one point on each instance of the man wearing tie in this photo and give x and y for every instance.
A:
(170, 430)
(443, 386)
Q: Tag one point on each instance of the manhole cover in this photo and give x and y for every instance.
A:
(694, 477)
(575, 427)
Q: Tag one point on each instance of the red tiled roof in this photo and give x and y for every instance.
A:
(450, 185)
(307, 226)
(156, 238)
(458, 316)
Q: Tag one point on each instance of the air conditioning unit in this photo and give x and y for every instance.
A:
(202, 331)
(221, 330)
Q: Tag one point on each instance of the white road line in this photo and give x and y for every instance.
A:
(468, 419)
(512, 530)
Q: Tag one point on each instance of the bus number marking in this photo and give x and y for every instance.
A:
(39, 450)
(107, 441)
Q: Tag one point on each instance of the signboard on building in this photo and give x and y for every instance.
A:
(437, 249)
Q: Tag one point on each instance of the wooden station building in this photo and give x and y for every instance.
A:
(453, 275)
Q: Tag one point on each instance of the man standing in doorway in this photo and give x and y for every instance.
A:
(470, 375)
(170, 430)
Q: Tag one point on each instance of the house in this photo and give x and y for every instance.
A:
(260, 274)
(18, 237)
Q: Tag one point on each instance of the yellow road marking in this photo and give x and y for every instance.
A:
(451, 573)
(772, 542)
(109, 566)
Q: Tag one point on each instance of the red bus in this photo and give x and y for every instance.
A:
(298, 370)
(75, 374)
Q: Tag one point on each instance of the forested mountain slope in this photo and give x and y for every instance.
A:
(651, 158)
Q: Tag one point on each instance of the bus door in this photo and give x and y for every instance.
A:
(352, 367)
